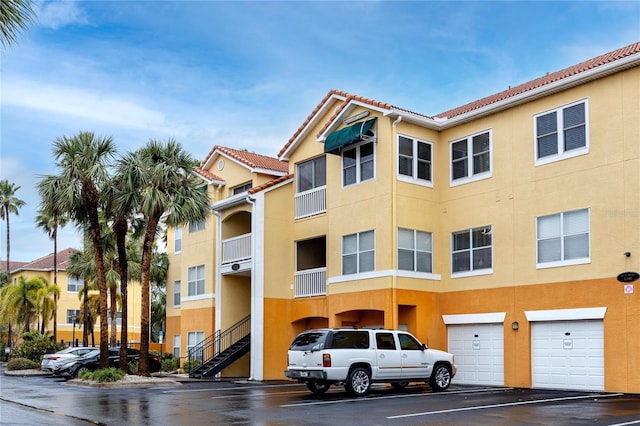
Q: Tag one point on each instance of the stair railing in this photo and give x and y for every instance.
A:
(218, 342)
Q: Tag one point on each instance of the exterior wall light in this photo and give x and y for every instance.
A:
(515, 325)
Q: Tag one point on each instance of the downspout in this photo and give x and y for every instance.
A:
(218, 277)
(253, 358)
(394, 233)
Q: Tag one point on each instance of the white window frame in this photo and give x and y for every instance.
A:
(358, 251)
(73, 313)
(562, 236)
(488, 230)
(177, 240)
(413, 178)
(240, 189)
(176, 346)
(415, 250)
(192, 284)
(177, 292)
(470, 176)
(118, 319)
(358, 163)
(77, 283)
(315, 184)
(561, 154)
(193, 339)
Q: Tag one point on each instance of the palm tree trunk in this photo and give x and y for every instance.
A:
(120, 228)
(55, 282)
(147, 251)
(6, 215)
(113, 312)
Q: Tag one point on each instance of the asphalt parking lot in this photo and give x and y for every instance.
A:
(288, 403)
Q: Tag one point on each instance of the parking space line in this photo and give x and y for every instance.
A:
(239, 387)
(378, 398)
(506, 404)
(633, 422)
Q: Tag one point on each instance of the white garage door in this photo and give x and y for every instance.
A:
(568, 354)
(479, 352)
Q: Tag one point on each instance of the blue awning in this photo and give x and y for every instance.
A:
(348, 135)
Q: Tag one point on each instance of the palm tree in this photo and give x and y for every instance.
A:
(19, 300)
(46, 304)
(49, 219)
(160, 180)
(83, 161)
(15, 15)
(9, 203)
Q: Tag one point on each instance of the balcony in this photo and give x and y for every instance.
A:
(236, 254)
(311, 282)
(311, 202)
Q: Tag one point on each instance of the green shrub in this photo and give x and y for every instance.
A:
(102, 375)
(21, 364)
(35, 346)
(133, 367)
(170, 364)
(188, 366)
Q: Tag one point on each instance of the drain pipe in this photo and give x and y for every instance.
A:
(252, 360)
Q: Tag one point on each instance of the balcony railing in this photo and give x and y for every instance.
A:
(236, 249)
(311, 282)
(311, 202)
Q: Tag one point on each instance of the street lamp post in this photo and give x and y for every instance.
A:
(75, 320)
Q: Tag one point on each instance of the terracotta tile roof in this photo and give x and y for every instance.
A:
(46, 263)
(542, 81)
(209, 176)
(253, 160)
(547, 79)
(13, 265)
(270, 184)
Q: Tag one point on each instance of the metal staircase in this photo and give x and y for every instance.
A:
(220, 350)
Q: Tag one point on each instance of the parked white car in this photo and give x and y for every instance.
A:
(50, 360)
(356, 358)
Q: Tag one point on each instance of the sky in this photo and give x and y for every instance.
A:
(246, 74)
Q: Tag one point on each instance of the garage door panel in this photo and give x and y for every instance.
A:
(479, 352)
(568, 354)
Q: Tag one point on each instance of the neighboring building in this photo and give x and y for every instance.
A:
(69, 303)
(495, 230)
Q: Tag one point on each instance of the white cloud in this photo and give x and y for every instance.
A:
(58, 14)
(89, 104)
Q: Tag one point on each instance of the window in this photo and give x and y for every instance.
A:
(176, 293)
(73, 315)
(472, 250)
(358, 163)
(385, 341)
(74, 284)
(471, 158)
(312, 174)
(178, 240)
(408, 343)
(193, 339)
(358, 253)
(414, 158)
(196, 280)
(561, 133)
(242, 188)
(415, 252)
(563, 238)
(176, 346)
(196, 226)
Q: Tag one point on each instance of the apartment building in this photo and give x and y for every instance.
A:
(69, 324)
(506, 231)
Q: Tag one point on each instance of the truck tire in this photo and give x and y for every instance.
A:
(440, 377)
(358, 381)
(318, 387)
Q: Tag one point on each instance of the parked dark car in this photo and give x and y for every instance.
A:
(91, 361)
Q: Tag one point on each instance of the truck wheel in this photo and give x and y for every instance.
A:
(358, 381)
(318, 387)
(440, 377)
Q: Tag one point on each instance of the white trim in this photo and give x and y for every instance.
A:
(566, 314)
(382, 274)
(471, 177)
(258, 254)
(484, 318)
(197, 297)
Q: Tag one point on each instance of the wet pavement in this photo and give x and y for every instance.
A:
(35, 400)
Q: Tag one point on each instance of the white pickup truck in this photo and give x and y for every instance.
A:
(359, 357)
